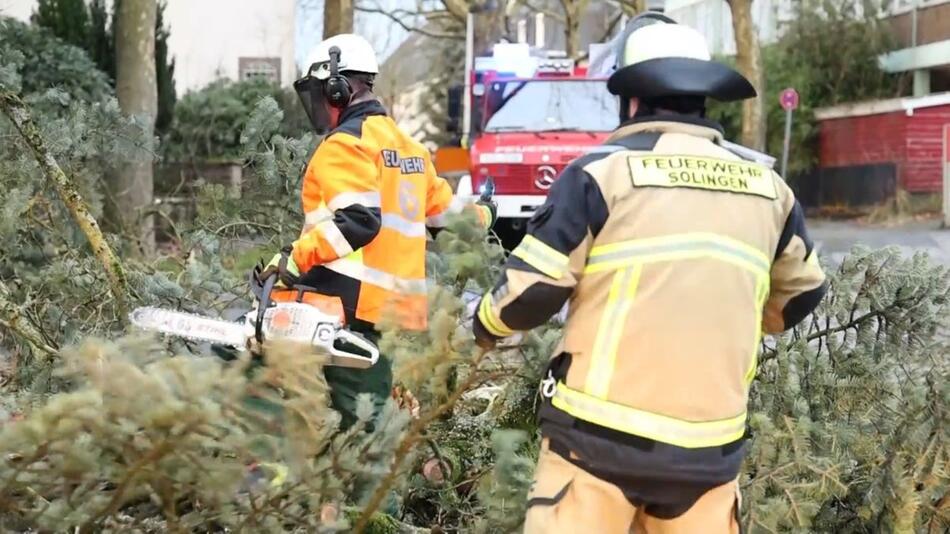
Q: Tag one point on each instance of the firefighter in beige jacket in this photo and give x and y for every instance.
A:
(675, 254)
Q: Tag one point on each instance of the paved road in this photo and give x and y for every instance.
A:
(836, 238)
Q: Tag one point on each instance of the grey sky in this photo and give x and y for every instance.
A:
(378, 29)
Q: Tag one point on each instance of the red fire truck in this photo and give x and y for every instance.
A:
(532, 113)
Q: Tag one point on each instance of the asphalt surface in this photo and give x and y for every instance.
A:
(835, 239)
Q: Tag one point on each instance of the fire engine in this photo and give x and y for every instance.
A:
(532, 112)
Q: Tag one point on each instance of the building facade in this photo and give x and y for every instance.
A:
(921, 31)
(211, 39)
(235, 39)
(868, 150)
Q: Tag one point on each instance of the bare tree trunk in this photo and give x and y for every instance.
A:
(489, 28)
(749, 63)
(631, 8)
(137, 91)
(14, 108)
(573, 11)
(337, 17)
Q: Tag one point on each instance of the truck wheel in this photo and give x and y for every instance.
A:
(510, 232)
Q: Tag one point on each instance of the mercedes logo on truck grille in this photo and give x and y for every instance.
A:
(546, 177)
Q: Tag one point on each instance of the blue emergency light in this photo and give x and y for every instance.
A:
(509, 59)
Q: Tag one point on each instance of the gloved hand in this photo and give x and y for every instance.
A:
(284, 265)
(488, 213)
(485, 342)
(483, 338)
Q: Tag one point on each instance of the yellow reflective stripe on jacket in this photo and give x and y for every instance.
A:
(541, 256)
(688, 434)
(762, 287)
(607, 343)
(677, 247)
(628, 258)
(490, 320)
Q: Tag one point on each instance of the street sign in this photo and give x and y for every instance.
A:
(789, 99)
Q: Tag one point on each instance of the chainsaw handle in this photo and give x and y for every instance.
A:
(348, 359)
(262, 305)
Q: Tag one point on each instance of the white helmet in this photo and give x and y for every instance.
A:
(356, 55)
(656, 57)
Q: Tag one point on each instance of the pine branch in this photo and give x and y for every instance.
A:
(14, 108)
(413, 436)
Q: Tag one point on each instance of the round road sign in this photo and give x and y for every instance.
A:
(789, 99)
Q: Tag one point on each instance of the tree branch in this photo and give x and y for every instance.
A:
(393, 16)
(559, 17)
(611, 26)
(14, 108)
(413, 436)
(11, 318)
(458, 8)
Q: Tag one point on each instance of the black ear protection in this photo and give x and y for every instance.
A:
(338, 91)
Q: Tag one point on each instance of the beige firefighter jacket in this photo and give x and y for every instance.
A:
(676, 255)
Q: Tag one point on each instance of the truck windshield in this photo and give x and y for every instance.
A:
(551, 106)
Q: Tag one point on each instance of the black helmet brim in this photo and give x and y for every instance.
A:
(678, 76)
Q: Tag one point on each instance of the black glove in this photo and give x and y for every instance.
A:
(483, 338)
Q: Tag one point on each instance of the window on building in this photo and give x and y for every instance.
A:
(262, 68)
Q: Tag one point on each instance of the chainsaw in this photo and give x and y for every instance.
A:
(299, 314)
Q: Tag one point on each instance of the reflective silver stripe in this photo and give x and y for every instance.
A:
(331, 232)
(317, 216)
(439, 220)
(689, 434)
(353, 269)
(404, 226)
(370, 199)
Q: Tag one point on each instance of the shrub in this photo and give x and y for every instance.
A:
(208, 123)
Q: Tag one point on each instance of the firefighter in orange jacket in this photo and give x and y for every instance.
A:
(675, 253)
(369, 194)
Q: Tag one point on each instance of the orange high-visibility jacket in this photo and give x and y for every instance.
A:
(369, 193)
